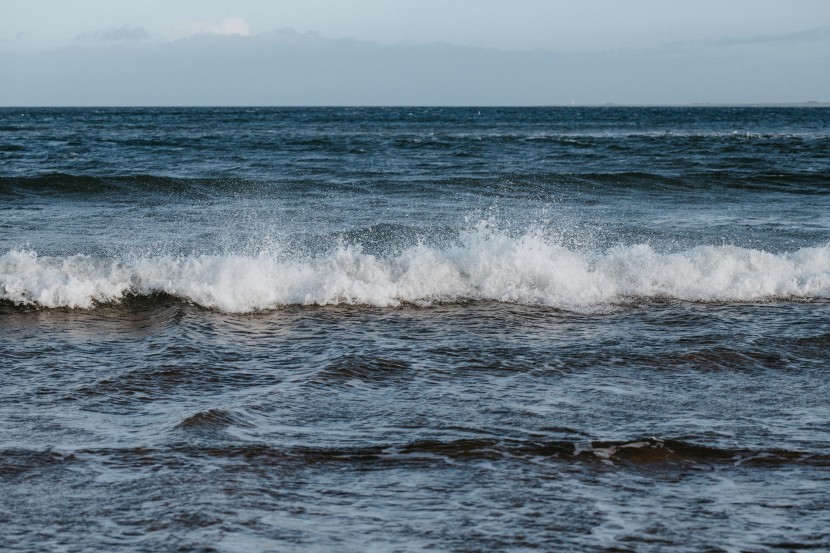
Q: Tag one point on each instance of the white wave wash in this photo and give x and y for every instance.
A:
(484, 266)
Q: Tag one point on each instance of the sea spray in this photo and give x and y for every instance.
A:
(484, 265)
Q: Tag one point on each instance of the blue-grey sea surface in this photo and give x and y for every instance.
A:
(415, 329)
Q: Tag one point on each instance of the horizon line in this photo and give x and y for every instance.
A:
(808, 103)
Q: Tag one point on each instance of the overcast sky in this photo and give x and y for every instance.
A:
(382, 52)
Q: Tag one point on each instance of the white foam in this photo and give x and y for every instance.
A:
(484, 265)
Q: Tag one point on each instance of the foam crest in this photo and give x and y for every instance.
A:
(483, 265)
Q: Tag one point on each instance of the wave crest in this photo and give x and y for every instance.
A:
(483, 266)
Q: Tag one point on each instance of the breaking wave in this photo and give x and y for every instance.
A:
(482, 266)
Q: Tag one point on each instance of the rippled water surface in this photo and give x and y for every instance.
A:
(415, 329)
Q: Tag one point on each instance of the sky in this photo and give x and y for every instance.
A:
(424, 52)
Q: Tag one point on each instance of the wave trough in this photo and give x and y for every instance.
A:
(483, 266)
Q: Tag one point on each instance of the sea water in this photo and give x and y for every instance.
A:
(403, 329)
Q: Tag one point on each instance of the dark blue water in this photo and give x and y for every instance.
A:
(408, 329)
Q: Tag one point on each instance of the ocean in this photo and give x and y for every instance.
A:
(412, 329)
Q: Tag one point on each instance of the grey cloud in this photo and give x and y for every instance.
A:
(124, 33)
(290, 68)
(809, 35)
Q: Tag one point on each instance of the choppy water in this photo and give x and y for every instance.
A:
(407, 329)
